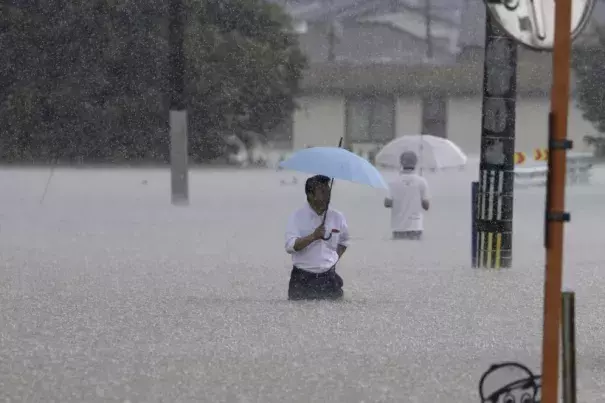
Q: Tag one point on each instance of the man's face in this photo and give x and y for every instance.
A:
(321, 195)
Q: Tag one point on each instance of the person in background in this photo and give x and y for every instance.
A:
(314, 257)
(409, 198)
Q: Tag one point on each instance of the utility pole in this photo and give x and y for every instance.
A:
(555, 214)
(178, 110)
(494, 215)
(434, 102)
(428, 33)
(331, 42)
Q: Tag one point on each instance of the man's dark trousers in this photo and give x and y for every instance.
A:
(307, 285)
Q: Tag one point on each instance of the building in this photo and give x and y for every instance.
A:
(381, 68)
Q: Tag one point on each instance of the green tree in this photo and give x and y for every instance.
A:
(82, 80)
(245, 66)
(589, 67)
(89, 79)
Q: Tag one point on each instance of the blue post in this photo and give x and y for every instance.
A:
(474, 204)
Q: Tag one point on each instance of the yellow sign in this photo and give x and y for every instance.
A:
(520, 158)
(541, 154)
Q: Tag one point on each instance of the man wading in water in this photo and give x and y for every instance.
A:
(314, 251)
(408, 200)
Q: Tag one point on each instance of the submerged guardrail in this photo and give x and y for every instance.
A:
(579, 169)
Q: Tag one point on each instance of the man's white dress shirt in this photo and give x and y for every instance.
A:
(407, 193)
(320, 255)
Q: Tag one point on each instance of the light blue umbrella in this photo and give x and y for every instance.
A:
(336, 163)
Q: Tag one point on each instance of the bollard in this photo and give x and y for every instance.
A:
(474, 204)
(568, 339)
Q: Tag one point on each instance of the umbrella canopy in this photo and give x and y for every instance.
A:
(433, 152)
(336, 163)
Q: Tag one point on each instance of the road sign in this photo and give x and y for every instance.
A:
(541, 154)
(532, 22)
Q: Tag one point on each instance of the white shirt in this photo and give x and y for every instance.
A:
(320, 255)
(407, 193)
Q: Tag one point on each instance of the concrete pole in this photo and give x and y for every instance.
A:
(178, 110)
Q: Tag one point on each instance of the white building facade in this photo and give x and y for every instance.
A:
(322, 120)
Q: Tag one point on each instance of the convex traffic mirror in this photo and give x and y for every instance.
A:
(532, 22)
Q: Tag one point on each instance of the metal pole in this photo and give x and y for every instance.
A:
(568, 336)
(496, 170)
(178, 111)
(555, 201)
(331, 43)
(474, 200)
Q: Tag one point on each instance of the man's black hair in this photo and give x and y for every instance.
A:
(313, 181)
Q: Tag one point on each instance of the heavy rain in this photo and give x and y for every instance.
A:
(123, 280)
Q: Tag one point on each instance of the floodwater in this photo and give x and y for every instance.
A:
(109, 293)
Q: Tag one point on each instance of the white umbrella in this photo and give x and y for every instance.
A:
(433, 152)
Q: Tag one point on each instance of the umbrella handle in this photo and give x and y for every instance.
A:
(328, 238)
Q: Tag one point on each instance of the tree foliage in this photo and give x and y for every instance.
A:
(589, 67)
(89, 79)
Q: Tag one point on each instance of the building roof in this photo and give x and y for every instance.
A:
(463, 78)
(325, 10)
(467, 15)
(458, 26)
(370, 41)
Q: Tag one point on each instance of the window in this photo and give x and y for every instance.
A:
(370, 119)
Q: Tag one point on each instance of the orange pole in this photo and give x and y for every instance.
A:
(556, 201)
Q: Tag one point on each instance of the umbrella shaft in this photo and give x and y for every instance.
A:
(329, 198)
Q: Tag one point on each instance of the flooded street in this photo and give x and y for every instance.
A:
(109, 293)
